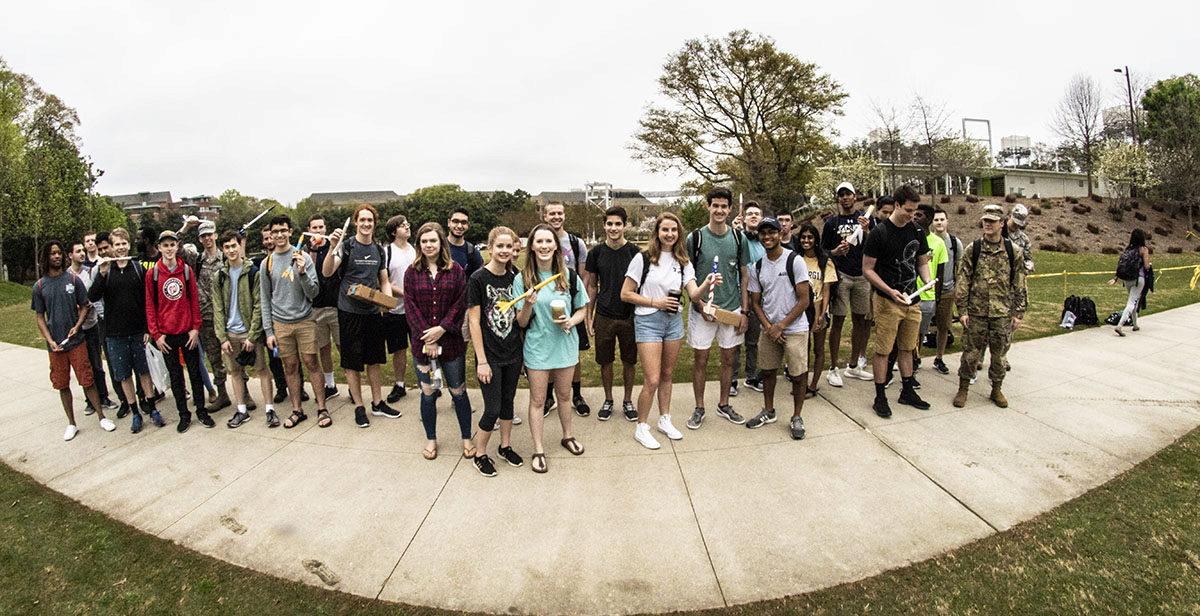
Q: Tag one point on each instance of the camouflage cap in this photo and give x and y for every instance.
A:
(1020, 215)
(992, 212)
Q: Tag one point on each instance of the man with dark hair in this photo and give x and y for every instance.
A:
(91, 251)
(894, 255)
(752, 215)
(464, 253)
(944, 311)
(91, 328)
(173, 318)
(208, 263)
(840, 238)
(325, 313)
(610, 320)
(574, 253)
(61, 304)
(400, 256)
(237, 317)
(103, 250)
(278, 374)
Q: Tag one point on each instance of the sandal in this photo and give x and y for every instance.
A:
(572, 445)
(323, 419)
(294, 419)
(539, 463)
(469, 453)
(430, 454)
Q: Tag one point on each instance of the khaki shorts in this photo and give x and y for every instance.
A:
(327, 326)
(299, 337)
(853, 295)
(234, 368)
(895, 325)
(793, 351)
(945, 312)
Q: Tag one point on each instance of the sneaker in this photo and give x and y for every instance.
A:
(156, 418)
(548, 406)
(516, 420)
(303, 395)
(755, 384)
(581, 408)
(123, 411)
(697, 418)
(891, 377)
(107, 404)
(184, 422)
(205, 419)
(642, 435)
(862, 362)
(630, 410)
(272, 419)
(280, 395)
(89, 409)
(484, 465)
(882, 408)
(360, 417)
(912, 399)
(108, 424)
(510, 456)
(916, 383)
(331, 392)
(396, 393)
(725, 411)
(383, 410)
(973, 379)
(135, 424)
(70, 433)
(605, 412)
(796, 427)
(238, 419)
(834, 377)
(940, 366)
(763, 418)
(733, 389)
(917, 364)
(861, 374)
(666, 427)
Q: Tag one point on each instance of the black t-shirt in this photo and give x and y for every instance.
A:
(838, 228)
(361, 264)
(895, 250)
(327, 297)
(609, 266)
(501, 336)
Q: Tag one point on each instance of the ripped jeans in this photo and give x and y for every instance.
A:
(454, 377)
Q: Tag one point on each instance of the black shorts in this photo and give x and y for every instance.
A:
(610, 332)
(395, 332)
(362, 340)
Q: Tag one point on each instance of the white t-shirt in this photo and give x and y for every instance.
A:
(662, 278)
(398, 261)
(779, 296)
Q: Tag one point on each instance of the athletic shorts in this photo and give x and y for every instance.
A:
(610, 332)
(793, 352)
(326, 319)
(895, 325)
(63, 363)
(395, 332)
(853, 295)
(701, 333)
(362, 342)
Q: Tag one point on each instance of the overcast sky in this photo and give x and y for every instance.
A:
(281, 101)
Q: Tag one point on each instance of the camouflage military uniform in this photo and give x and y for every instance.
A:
(1021, 241)
(985, 293)
(207, 268)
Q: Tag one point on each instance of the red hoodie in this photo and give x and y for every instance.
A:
(174, 306)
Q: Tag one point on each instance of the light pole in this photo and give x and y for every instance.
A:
(1129, 92)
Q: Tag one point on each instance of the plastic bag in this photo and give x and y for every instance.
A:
(158, 368)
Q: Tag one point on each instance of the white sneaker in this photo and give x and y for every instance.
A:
(835, 377)
(70, 433)
(862, 363)
(642, 435)
(108, 424)
(860, 374)
(666, 427)
(516, 420)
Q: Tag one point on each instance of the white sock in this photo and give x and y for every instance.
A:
(270, 407)
(242, 408)
(329, 379)
(400, 384)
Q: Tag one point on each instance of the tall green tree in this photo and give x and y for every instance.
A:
(1172, 134)
(743, 113)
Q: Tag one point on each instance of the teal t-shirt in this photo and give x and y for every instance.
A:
(729, 294)
(937, 256)
(547, 346)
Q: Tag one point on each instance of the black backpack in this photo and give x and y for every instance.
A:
(1071, 304)
(1087, 312)
(810, 312)
(697, 237)
(1129, 264)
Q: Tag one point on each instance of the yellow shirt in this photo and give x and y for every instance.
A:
(816, 279)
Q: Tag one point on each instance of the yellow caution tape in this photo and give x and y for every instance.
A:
(1195, 277)
(1109, 273)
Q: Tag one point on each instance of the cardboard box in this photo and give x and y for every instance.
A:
(374, 296)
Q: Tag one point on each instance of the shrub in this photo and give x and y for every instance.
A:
(1158, 207)
(1061, 230)
(1093, 228)
(944, 199)
(1048, 246)
(1115, 212)
(1072, 200)
(1140, 216)
(1134, 204)
(1109, 250)
(962, 209)
(972, 199)
(1174, 250)
(1035, 209)
(1097, 198)
(1161, 231)
(1059, 246)
(1080, 208)
(1010, 198)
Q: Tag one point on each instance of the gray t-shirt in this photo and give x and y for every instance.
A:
(93, 317)
(778, 294)
(235, 323)
(59, 299)
(361, 264)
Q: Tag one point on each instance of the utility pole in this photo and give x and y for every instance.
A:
(1129, 93)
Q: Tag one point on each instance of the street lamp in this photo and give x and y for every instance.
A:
(1129, 92)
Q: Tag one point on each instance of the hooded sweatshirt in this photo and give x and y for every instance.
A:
(173, 304)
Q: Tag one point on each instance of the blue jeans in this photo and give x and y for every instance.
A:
(455, 377)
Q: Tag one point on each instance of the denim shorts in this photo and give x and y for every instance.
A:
(658, 327)
(126, 355)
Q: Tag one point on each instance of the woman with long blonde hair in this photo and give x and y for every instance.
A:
(654, 284)
(549, 316)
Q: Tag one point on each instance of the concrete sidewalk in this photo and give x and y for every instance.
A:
(725, 516)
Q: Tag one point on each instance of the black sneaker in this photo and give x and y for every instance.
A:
(881, 408)
(754, 384)
(605, 412)
(185, 420)
(280, 395)
(940, 366)
(303, 395)
(697, 418)
(123, 412)
(107, 404)
(510, 456)
(89, 409)
(360, 417)
(916, 383)
(238, 419)
(205, 419)
(548, 406)
(396, 393)
(272, 419)
(484, 464)
(331, 392)
(911, 398)
(383, 410)
(917, 364)
(630, 410)
(581, 408)
(763, 418)
(725, 411)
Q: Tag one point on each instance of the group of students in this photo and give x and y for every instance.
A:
(751, 281)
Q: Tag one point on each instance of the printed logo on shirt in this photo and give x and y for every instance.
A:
(908, 266)
(173, 289)
(501, 323)
(69, 289)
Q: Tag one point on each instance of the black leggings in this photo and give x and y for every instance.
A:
(498, 395)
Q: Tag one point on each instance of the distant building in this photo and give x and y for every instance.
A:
(374, 197)
(201, 206)
(143, 203)
(636, 204)
(1000, 181)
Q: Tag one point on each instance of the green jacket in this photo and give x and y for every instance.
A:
(249, 306)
